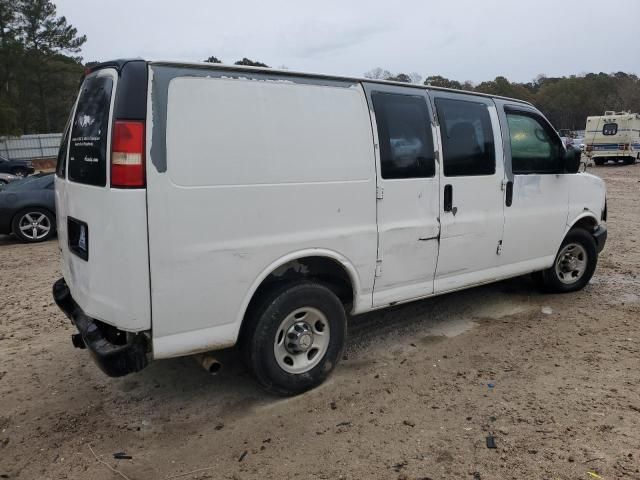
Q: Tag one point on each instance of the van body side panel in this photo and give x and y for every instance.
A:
(535, 222)
(407, 203)
(471, 233)
(112, 284)
(586, 197)
(256, 169)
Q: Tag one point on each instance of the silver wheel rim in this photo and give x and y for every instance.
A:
(571, 263)
(301, 341)
(34, 225)
(20, 173)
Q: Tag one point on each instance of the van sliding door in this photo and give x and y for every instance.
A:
(471, 190)
(407, 199)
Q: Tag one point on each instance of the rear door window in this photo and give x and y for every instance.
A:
(467, 138)
(610, 129)
(404, 132)
(89, 133)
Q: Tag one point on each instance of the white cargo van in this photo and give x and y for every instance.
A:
(202, 206)
(613, 136)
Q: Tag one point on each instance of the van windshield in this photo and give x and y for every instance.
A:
(89, 131)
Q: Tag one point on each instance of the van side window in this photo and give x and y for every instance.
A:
(610, 129)
(467, 138)
(404, 133)
(532, 147)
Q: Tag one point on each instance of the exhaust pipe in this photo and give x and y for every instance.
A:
(209, 363)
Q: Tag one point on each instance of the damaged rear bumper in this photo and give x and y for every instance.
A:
(117, 353)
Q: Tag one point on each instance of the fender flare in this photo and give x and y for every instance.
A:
(310, 252)
(583, 215)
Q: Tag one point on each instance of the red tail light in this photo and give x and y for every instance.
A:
(589, 148)
(127, 154)
(623, 146)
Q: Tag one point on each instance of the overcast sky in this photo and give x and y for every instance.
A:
(459, 39)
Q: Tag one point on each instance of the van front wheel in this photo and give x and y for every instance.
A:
(294, 337)
(574, 264)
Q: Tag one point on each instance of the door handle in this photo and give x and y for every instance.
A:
(509, 193)
(448, 198)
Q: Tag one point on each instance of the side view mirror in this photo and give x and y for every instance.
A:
(572, 160)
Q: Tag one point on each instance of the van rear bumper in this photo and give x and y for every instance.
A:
(115, 352)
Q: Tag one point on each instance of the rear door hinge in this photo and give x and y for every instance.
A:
(499, 249)
(379, 268)
(379, 193)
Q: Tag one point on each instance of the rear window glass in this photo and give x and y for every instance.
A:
(610, 129)
(62, 152)
(88, 146)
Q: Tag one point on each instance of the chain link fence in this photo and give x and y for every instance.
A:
(30, 147)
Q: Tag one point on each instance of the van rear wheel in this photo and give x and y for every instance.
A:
(573, 266)
(294, 337)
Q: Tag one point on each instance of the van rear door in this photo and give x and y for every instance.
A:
(102, 229)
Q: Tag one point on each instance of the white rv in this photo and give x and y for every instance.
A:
(613, 136)
(202, 206)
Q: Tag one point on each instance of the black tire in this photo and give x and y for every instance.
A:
(629, 160)
(20, 172)
(599, 161)
(44, 217)
(263, 326)
(551, 280)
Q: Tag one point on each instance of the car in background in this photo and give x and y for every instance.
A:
(27, 208)
(575, 143)
(19, 168)
(7, 177)
(578, 143)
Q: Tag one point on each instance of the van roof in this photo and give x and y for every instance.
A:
(119, 63)
(617, 115)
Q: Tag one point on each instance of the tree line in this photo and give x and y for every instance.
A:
(40, 69)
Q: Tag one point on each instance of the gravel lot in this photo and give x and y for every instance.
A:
(412, 399)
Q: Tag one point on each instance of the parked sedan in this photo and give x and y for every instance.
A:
(27, 208)
(20, 168)
(7, 177)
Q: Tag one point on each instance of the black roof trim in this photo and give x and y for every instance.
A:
(118, 64)
(242, 68)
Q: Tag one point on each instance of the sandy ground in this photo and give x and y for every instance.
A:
(412, 398)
